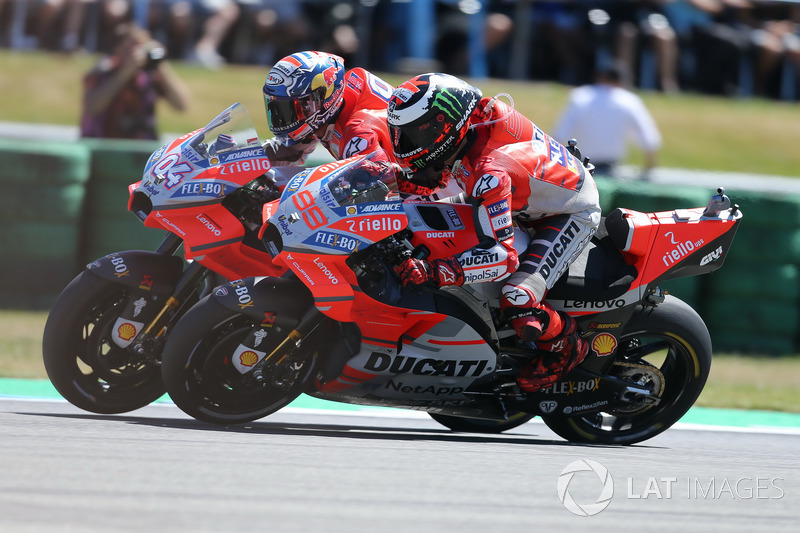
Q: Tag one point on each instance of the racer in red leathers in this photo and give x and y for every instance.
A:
(310, 98)
(511, 171)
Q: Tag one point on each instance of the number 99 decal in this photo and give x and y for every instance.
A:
(312, 214)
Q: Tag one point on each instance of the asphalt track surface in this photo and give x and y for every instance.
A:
(155, 469)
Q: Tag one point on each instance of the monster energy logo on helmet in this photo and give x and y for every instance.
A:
(448, 103)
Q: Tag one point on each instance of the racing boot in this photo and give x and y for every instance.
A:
(554, 333)
(560, 354)
(529, 319)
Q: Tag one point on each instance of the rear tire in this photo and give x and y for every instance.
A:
(203, 382)
(674, 333)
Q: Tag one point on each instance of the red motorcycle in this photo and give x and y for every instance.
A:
(105, 332)
(339, 325)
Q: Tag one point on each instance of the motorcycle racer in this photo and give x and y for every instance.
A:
(441, 127)
(310, 98)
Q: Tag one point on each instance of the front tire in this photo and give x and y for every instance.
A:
(202, 380)
(85, 366)
(673, 342)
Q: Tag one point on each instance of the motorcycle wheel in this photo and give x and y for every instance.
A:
(81, 360)
(671, 338)
(481, 425)
(203, 382)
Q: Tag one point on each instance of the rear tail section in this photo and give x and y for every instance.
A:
(675, 244)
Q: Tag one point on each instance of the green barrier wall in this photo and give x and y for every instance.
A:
(65, 204)
(43, 192)
(107, 225)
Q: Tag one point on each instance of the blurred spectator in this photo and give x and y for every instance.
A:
(333, 27)
(731, 50)
(726, 47)
(777, 41)
(195, 29)
(120, 92)
(270, 29)
(453, 34)
(109, 15)
(562, 46)
(638, 35)
(604, 118)
(46, 24)
(220, 15)
(58, 23)
(688, 18)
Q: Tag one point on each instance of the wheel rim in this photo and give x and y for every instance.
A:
(215, 387)
(659, 360)
(102, 367)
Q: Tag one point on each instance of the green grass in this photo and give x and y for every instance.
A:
(700, 132)
(21, 344)
(735, 381)
(753, 383)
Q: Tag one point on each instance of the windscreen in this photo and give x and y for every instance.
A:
(364, 182)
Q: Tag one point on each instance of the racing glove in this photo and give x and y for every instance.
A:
(439, 271)
(281, 155)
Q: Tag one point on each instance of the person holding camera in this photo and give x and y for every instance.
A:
(121, 90)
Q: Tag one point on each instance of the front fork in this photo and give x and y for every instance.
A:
(275, 363)
(151, 334)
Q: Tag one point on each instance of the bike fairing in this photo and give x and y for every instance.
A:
(380, 360)
(183, 190)
(442, 351)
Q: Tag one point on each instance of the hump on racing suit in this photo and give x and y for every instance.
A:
(361, 126)
(513, 170)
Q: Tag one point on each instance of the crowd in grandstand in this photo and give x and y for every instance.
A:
(727, 47)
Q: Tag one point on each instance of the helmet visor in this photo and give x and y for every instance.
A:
(421, 142)
(288, 114)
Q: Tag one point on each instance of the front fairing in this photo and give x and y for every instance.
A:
(203, 166)
(338, 209)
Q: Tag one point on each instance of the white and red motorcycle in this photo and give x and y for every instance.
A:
(340, 326)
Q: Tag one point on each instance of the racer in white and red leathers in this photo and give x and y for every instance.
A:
(512, 171)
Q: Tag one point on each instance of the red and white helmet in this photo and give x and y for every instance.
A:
(428, 118)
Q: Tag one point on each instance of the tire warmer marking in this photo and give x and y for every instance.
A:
(691, 351)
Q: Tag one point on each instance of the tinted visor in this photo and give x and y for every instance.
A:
(286, 114)
(420, 139)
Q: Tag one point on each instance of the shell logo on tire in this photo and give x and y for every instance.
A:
(604, 344)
